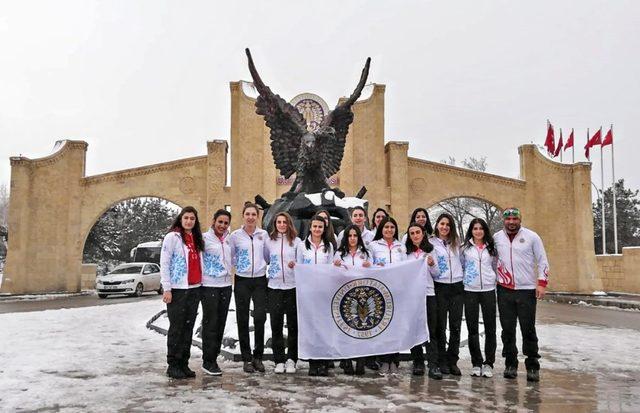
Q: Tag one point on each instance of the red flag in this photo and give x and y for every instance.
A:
(569, 143)
(587, 146)
(559, 147)
(550, 142)
(608, 138)
(596, 139)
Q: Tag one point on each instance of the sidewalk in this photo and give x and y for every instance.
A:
(612, 299)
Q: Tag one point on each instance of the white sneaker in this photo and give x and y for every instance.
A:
(290, 367)
(476, 371)
(384, 369)
(487, 371)
(279, 368)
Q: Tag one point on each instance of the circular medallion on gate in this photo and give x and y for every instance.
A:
(362, 308)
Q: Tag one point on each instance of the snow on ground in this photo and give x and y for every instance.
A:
(104, 359)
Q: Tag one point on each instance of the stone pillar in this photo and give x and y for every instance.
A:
(45, 249)
(398, 173)
(216, 178)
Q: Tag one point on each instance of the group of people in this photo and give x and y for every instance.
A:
(471, 275)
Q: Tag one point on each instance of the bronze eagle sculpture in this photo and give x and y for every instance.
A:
(313, 156)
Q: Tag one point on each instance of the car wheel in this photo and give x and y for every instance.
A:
(102, 296)
(160, 291)
(139, 289)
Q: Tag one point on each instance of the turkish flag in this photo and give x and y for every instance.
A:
(569, 143)
(559, 147)
(550, 142)
(596, 139)
(608, 138)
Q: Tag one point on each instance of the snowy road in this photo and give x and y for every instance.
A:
(102, 358)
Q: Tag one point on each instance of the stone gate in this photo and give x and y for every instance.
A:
(53, 205)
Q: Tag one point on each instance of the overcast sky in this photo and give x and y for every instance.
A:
(148, 81)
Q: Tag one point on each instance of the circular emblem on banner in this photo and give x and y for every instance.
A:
(362, 308)
(312, 108)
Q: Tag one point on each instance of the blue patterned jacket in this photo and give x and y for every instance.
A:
(174, 265)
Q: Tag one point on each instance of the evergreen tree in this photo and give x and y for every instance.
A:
(627, 214)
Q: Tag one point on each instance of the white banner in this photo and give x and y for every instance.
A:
(355, 312)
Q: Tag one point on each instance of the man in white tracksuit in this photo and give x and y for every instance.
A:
(522, 273)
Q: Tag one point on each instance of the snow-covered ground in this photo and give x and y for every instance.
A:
(104, 359)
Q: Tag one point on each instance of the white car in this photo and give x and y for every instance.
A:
(131, 279)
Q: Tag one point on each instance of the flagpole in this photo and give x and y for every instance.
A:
(573, 149)
(604, 239)
(561, 149)
(613, 187)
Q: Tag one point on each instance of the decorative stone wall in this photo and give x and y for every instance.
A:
(54, 205)
(620, 273)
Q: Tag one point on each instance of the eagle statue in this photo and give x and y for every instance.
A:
(313, 156)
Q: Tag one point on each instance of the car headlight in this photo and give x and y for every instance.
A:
(128, 281)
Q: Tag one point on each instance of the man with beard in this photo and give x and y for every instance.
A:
(523, 271)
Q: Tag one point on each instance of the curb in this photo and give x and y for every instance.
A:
(603, 301)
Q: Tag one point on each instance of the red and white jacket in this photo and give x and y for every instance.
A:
(522, 263)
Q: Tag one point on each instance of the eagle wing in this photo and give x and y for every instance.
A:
(339, 119)
(284, 121)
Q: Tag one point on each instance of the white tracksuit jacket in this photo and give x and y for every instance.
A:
(216, 260)
(522, 264)
(479, 268)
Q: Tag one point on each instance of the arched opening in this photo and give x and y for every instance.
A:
(464, 209)
(128, 231)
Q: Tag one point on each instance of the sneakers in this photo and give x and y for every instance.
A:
(435, 373)
(384, 369)
(279, 368)
(212, 369)
(476, 371)
(188, 372)
(418, 368)
(248, 367)
(533, 375)
(290, 367)
(454, 370)
(510, 372)
(359, 367)
(487, 371)
(257, 364)
(176, 372)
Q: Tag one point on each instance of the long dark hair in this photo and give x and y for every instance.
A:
(332, 231)
(382, 224)
(373, 217)
(427, 227)
(343, 249)
(487, 239)
(291, 233)
(453, 232)
(425, 245)
(325, 234)
(196, 231)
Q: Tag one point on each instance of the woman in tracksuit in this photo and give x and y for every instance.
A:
(386, 249)
(449, 292)
(420, 216)
(181, 277)
(280, 254)
(216, 289)
(419, 248)
(479, 259)
(352, 253)
(316, 249)
(247, 247)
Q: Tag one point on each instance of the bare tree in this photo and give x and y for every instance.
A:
(4, 205)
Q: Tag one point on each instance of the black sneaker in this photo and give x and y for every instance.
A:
(313, 371)
(445, 370)
(175, 372)
(510, 372)
(248, 367)
(359, 368)
(347, 367)
(533, 375)
(257, 364)
(188, 372)
(435, 373)
(372, 365)
(454, 370)
(418, 368)
(212, 369)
